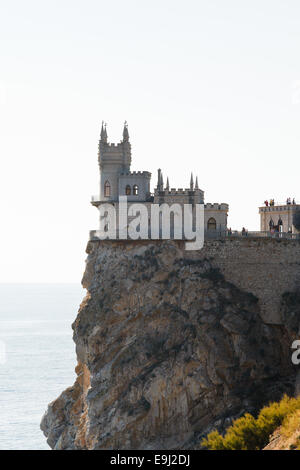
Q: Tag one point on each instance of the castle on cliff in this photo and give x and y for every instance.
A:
(117, 179)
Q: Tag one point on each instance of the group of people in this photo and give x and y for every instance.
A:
(272, 202)
(244, 231)
(288, 201)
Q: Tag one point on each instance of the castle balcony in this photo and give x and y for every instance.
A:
(217, 234)
(223, 234)
(280, 206)
(96, 200)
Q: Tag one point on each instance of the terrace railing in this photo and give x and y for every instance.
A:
(222, 234)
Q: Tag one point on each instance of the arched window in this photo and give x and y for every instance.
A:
(128, 190)
(211, 224)
(106, 189)
(135, 190)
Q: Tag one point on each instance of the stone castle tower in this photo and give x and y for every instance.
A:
(115, 175)
(116, 179)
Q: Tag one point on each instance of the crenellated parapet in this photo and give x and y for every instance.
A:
(136, 173)
(178, 192)
(120, 153)
(216, 206)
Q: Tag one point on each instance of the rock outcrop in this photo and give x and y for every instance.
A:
(168, 349)
(287, 436)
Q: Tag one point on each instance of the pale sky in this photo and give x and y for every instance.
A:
(208, 86)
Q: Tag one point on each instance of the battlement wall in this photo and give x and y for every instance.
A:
(279, 208)
(178, 192)
(265, 267)
(145, 174)
(216, 206)
(113, 146)
(113, 150)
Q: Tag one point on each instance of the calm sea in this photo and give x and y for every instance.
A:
(37, 356)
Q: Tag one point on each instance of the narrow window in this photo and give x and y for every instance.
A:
(135, 190)
(128, 190)
(106, 189)
(211, 224)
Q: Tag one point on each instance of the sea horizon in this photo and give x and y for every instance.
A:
(38, 357)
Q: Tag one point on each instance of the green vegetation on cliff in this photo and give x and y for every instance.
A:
(249, 433)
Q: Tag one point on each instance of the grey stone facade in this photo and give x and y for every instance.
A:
(116, 179)
(115, 175)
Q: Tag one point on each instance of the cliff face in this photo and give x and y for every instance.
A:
(168, 348)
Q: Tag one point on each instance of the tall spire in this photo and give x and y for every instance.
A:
(192, 182)
(196, 184)
(160, 181)
(168, 185)
(103, 135)
(125, 132)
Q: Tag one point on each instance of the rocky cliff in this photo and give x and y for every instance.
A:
(171, 344)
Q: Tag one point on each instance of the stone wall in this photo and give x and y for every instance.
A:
(265, 267)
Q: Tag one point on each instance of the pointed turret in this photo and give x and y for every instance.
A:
(196, 184)
(158, 178)
(192, 182)
(103, 135)
(160, 181)
(125, 132)
(168, 185)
